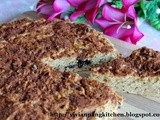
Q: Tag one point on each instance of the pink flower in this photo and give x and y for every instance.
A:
(121, 23)
(44, 8)
(56, 7)
(52, 9)
(90, 8)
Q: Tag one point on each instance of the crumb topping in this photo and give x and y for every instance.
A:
(40, 91)
(55, 39)
(31, 90)
(142, 62)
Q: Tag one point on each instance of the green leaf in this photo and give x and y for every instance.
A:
(142, 5)
(151, 14)
(151, 7)
(117, 3)
(158, 3)
(155, 23)
(80, 19)
(141, 9)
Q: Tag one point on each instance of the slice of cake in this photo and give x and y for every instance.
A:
(37, 92)
(60, 44)
(138, 74)
(47, 96)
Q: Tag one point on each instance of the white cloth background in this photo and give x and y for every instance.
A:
(10, 9)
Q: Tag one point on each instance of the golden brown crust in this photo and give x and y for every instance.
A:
(143, 62)
(32, 90)
(146, 61)
(43, 91)
(55, 39)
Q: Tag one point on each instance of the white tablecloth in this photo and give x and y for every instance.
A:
(13, 8)
(10, 9)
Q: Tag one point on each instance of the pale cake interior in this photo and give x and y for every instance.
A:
(138, 73)
(72, 64)
(148, 87)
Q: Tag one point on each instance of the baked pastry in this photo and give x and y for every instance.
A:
(45, 94)
(62, 45)
(138, 73)
(31, 90)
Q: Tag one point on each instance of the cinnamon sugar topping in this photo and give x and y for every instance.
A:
(142, 62)
(32, 90)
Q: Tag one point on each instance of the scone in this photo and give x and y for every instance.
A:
(62, 45)
(32, 90)
(138, 74)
